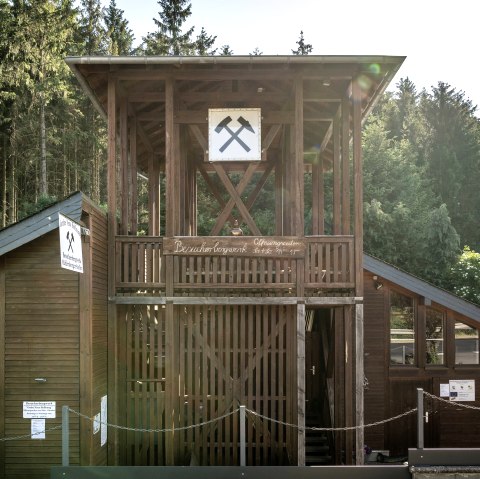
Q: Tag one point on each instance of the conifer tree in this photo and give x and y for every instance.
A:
(119, 36)
(204, 43)
(303, 48)
(169, 39)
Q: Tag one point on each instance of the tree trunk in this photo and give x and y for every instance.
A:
(4, 183)
(43, 150)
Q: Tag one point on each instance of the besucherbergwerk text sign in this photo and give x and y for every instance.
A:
(271, 246)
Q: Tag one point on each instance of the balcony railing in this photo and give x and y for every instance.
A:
(226, 265)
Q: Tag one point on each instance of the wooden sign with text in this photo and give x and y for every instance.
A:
(268, 246)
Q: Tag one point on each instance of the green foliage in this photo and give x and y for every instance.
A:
(169, 39)
(404, 222)
(119, 36)
(464, 277)
(43, 202)
(303, 48)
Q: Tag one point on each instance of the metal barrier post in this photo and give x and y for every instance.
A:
(243, 457)
(65, 436)
(419, 418)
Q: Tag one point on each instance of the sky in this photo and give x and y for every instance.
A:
(440, 38)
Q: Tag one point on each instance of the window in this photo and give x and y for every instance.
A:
(466, 344)
(434, 336)
(402, 329)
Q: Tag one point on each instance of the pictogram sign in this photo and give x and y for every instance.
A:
(234, 134)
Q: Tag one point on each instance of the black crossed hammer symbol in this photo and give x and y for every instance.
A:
(245, 125)
(71, 239)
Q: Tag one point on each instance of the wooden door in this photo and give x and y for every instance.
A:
(312, 375)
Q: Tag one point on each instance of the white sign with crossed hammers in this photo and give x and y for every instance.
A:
(70, 244)
(234, 134)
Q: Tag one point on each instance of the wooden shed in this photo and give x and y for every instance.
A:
(53, 338)
(418, 336)
(202, 323)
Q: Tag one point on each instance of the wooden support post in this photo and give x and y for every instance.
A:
(357, 180)
(346, 166)
(339, 334)
(298, 220)
(337, 178)
(124, 183)
(133, 178)
(172, 204)
(112, 231)
(349, 401)
(86, 352)
(318, 198)
(359, 390)
(301, 382)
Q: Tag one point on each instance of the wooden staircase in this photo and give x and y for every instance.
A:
(317, 446)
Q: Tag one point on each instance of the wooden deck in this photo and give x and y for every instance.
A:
(232, 265)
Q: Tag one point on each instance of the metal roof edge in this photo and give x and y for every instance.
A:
(42, 222)
(421, 287)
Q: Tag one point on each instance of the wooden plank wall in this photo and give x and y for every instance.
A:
(99, 326)
(41, 341)
(375, 367)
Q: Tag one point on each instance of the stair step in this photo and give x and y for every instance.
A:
(316, 449)
(318, 459)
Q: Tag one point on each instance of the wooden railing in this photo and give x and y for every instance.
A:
(158, 264)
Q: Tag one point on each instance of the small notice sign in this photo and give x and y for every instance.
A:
(39, 409)
(38, 429)
(462, 389)
(234, 134)
(70, 244)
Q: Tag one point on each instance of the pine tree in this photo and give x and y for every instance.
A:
(225, 50)
(204, 43)
(91, 32)
(303, 48)
(120, 37)
(169, 38)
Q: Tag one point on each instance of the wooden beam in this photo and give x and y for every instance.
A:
(144, 137)
(358, 188)
(124, 193)
(359, 388)
(298, 178)
(349, 397)
(113, 388)
(310, 301)
(235, 199)
(337, 184)
(301, 383)
(345, 152)
(86, 351)
(170, 166)
(284, 73)
(200, 117)
(133, 181)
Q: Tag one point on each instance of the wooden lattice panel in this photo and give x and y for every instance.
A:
(215, 359)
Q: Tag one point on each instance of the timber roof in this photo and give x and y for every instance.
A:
(40, 223)
(420, 287)
(204, 82)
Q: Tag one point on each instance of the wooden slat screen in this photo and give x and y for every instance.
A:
(224, 356)
(145, 384)
(329, 264)
(139, 262)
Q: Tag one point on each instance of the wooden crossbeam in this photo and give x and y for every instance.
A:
(235, 199)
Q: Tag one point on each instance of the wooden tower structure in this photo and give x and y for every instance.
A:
(273, 320)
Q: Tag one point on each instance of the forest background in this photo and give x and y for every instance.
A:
(421, 148)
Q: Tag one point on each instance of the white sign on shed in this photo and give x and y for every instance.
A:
(234, 134)
(70, 244)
